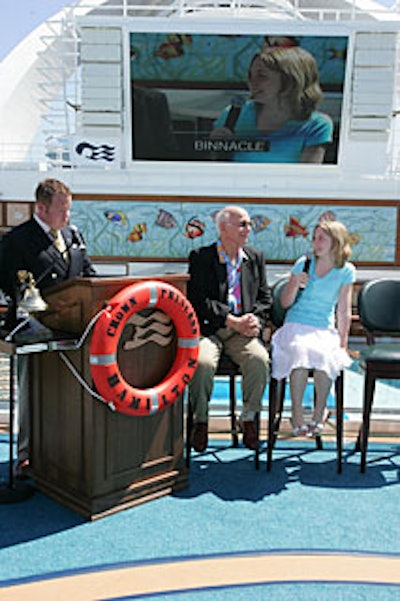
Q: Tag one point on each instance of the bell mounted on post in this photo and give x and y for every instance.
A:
(31, 302)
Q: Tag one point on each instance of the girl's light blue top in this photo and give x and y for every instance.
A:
(316, 304)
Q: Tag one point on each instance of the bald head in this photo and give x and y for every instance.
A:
(230, 214)
(234, 225)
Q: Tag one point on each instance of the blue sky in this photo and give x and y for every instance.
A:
(20, 17)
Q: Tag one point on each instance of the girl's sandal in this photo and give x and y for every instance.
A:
(315, 429)
(300, 430)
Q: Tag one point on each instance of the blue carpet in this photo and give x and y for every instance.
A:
(228, 508)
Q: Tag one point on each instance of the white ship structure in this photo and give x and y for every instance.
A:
(87, 96)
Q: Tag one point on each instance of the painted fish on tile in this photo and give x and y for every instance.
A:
(354, 238)
(194, 228)
(294, 228)
(137, 232)
(117, 217)
(165, 219)
(259, 223)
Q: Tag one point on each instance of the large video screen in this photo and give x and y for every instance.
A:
(236, 98)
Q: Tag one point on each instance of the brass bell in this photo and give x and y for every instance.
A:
(32, 301)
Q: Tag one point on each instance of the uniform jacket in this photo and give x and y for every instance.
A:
(28, 247)
(208, 287)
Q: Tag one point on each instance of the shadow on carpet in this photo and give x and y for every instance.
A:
(230, 474)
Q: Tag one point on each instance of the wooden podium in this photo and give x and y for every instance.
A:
(84, 455)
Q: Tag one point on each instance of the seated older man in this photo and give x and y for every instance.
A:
(229, 291)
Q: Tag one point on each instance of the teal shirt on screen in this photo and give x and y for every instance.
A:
(284, 145)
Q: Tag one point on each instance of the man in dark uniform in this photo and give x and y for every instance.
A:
(52, 251)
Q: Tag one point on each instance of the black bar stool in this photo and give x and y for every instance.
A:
(226, 367)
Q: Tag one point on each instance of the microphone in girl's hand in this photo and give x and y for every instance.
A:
(306, 267)
(236, 106)
(307, 262)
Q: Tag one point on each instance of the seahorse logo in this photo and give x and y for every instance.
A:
(103, 152)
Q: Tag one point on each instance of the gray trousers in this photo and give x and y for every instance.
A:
(251, 356)
(24, 418)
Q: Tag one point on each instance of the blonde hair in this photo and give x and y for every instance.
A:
(338, 233)
(299, 74)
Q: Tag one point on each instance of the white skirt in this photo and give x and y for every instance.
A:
(295, 345)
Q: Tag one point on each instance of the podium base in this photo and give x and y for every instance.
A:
(19, 491)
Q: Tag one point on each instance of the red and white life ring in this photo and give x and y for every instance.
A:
(106, 374)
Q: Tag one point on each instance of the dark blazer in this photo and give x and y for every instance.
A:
(208, 287)
(28, 247)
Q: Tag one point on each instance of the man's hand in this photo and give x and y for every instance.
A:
(246, 325)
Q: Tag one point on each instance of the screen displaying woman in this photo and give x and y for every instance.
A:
(281, 114)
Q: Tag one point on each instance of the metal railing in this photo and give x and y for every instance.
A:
(344, 10)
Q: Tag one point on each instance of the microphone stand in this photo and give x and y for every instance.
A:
(15, 490)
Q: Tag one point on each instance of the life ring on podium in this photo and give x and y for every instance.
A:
(106, 374)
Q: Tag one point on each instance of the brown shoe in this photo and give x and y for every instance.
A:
(200, 437)
(250, 438)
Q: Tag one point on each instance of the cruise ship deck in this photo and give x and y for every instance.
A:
(223, 530)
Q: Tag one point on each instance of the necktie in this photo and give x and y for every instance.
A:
(59, 243)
